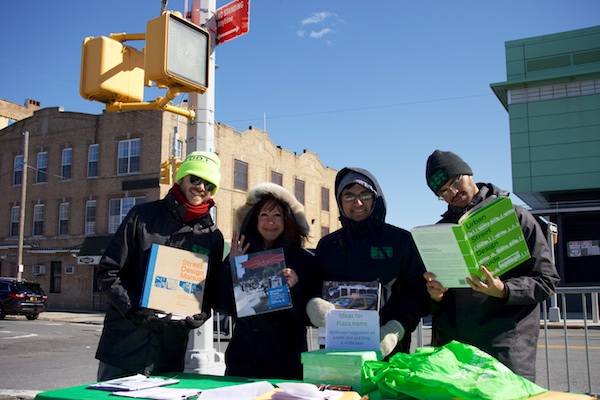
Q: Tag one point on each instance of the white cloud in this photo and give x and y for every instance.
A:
(318, 17)
(320, 34)
(326, 19)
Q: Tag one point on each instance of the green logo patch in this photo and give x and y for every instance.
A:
(377, 254)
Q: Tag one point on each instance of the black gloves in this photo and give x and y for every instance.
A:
(192, 322)
(148, 317)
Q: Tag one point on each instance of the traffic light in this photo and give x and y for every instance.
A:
(111, 71)
(166, 171)
(177, 53)
(176, 164)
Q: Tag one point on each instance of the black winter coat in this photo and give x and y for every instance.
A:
(269, 345)
(126, 341)
(506, 328)
(374, 250)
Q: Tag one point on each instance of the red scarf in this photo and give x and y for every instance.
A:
(191, 212)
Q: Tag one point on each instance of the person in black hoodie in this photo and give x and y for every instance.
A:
(268, 345)
(136, 339)
(367, 249)
(499, 315)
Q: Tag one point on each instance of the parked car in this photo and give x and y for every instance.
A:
(21, 298)
(357, 302)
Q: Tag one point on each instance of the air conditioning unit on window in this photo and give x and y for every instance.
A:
(69, 269)
(38, 269)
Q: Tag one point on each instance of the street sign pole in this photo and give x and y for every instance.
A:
(201, 356)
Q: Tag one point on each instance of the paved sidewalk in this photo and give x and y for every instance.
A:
(75, 316)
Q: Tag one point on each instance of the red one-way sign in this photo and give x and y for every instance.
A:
(233, 20)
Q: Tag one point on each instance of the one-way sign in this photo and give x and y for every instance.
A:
(233, 20)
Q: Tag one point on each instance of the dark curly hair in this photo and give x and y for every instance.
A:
(291, 236)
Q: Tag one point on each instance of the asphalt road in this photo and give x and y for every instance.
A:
(44, 355)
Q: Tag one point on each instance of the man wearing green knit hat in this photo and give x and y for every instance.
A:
(136, 339)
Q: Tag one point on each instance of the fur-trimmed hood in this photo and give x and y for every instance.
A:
(257, 193)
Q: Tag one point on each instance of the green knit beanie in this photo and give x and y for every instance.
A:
(204, 165)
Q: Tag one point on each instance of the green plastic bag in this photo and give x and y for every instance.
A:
(453, 371)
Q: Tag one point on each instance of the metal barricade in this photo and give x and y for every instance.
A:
(572, 322)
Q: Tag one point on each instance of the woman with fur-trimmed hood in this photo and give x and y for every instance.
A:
(269, 345)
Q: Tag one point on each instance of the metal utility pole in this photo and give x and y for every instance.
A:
(22, 208)
(201, 356)
(201, 131)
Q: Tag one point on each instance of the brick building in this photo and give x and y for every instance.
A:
(86, 171)
(11, 112)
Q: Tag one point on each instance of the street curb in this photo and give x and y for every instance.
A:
(18, 394)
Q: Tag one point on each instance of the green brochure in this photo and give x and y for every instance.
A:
(489, 235)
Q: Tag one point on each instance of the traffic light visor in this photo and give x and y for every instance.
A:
(177, 53)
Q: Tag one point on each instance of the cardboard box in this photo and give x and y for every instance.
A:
(336, 367)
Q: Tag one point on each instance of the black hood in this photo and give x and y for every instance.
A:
(379, 206)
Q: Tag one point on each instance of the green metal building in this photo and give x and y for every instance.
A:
(552, 95)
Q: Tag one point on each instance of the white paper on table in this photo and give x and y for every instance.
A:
(160, 393)
(244, 391)
(304, 391)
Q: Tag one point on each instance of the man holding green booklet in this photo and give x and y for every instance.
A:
(498, 314)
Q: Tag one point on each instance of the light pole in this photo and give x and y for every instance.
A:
(201, 356)
(22, 208)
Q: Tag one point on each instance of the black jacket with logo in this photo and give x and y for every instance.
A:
(372, 250)
(127, 341)
(505, 328)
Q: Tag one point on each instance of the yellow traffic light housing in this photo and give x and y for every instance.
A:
(111, 71)
(166, 171)
(177, 53)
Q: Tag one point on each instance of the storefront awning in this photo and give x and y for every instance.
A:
(92, 249)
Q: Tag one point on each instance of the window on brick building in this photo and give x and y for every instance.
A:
(15, 212)
(90, 217)
(41, 175)
(38, 220)
(324, 231)
(277, 178)
(92, 169)
(67, 159)
(299, 190)
(63, 219)
(324, 199)
(18, 170)
(118, 209)
(240, 175)
(129, 156)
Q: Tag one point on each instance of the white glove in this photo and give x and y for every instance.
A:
(317, 310)
(390, 334)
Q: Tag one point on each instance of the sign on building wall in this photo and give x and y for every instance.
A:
(584, 248)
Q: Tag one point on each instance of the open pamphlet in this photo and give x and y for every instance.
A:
(174, 281)
(489, 234)
(259, 285)
(133, 382)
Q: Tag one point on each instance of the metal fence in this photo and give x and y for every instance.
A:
(577, 322)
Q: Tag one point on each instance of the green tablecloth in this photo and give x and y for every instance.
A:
(195, 381)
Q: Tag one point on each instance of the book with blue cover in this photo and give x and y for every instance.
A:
(174, 281)
(259, 285)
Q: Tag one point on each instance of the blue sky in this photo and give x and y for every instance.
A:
(377, 84)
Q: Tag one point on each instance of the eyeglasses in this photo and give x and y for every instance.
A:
(362, 196)
(196, 180)
(453, 186)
